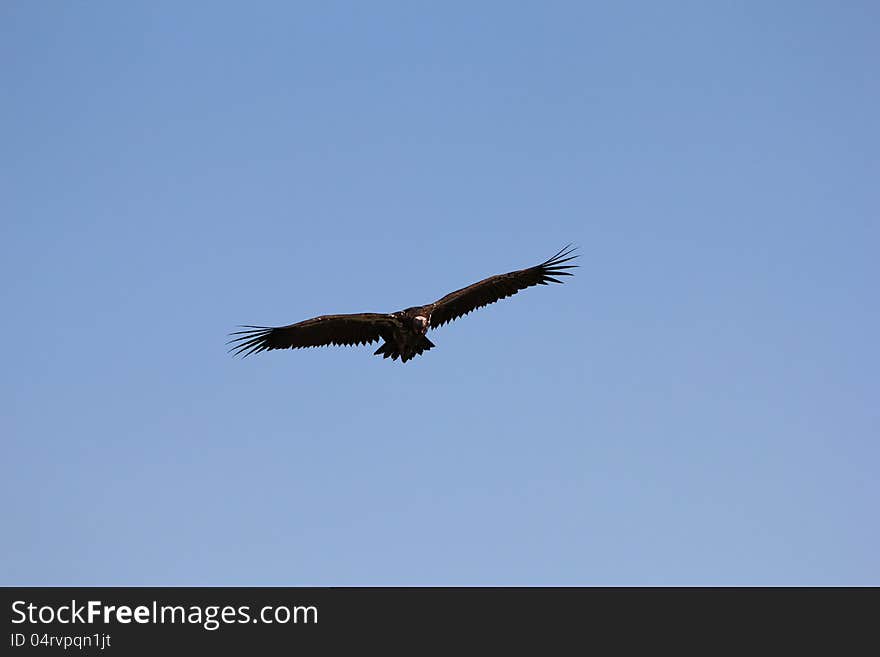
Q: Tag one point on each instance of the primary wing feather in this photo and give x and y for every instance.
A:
(491, 289)
(361, 328)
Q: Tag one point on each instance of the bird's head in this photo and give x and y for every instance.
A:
(420, 324)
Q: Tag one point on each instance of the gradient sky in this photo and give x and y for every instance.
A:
(698, 405)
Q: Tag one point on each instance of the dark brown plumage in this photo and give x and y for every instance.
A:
(403, 332)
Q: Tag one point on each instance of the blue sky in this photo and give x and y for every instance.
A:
(698, 405)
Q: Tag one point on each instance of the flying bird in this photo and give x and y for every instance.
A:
(403, 332)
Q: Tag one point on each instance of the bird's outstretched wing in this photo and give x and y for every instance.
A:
(361, 328)
(491, 289)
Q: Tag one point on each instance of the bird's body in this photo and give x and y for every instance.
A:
(408, 337)
(402, 332)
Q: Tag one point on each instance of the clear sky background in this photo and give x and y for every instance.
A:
(698, 405)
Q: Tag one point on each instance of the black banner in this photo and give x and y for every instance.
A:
(126, 621)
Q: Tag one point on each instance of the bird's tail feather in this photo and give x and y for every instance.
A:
(389, 349)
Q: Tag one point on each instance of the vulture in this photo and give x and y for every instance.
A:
(402, 333)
